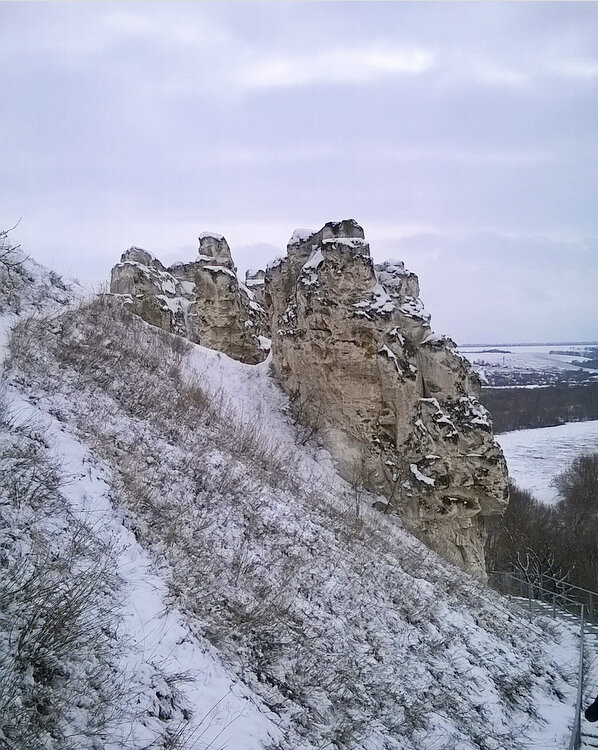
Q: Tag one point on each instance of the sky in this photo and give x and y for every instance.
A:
(463, 137)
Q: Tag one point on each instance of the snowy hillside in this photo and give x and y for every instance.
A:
(225, 588)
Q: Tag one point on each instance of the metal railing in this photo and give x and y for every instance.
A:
(575, 741)
(554, 594)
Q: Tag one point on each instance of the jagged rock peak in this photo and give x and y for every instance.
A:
(139, 255)
(394, 403)
(201, 300)
(213, 248)
(345, 229)
(346, 232)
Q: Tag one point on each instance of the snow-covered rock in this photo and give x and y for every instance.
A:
(201, 300)
(352, 344)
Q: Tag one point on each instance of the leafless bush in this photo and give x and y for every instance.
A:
(12, 272)
(58, 615)
(310, 415)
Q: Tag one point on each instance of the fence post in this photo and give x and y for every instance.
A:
(575, 740)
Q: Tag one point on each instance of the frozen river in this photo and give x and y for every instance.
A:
(535, 457)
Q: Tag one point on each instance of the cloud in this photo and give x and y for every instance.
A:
(587, 69)
(338, 65)
(145, 123)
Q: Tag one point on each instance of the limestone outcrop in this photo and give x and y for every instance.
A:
(202, 300)
(394, 403)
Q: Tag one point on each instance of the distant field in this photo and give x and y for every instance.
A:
(536, 385)
(535, 457)
(546, 364)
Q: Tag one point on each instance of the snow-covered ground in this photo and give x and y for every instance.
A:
(535, 457)
(159, 648)
(328, 625)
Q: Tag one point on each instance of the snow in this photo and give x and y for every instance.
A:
(300, 235)
(155, 632)
(535, 457)
(432, 338)
(250, 294)
(275, 262)
(315, 261)
(421, 477)
(388, 352)
(309, 275)
(352, 242)
(221, 269)
(211, 235)
(380, 304)
(174, 304)
(532, 357)
(413, 307)
(229, 526)
(187, 286)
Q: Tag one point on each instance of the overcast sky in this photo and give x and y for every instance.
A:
(462, 136)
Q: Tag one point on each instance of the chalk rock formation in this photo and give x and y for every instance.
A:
(394, 403)
(256, 281)
(202, 300)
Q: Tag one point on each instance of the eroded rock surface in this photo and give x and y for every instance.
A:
(395, 404)
(202, 300)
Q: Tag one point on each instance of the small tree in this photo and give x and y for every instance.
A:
(11, 271)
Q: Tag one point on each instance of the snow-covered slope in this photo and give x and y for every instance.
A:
(228, 524)
(175, 681)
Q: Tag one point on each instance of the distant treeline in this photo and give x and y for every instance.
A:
(558, 540)
(519, 408)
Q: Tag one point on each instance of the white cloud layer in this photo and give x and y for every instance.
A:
(461, 135)
(337, 65)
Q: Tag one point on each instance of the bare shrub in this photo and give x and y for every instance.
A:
(58, 614)
(310, 416)
(12, 272)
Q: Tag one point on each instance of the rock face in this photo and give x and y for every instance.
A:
(202, 300)
(394, 403)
